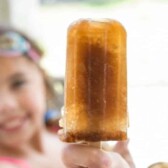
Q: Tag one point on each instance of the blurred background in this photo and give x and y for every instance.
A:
(147, 57)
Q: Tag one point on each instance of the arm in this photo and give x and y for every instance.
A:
(6, 165)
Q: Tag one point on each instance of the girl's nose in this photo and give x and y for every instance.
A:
(8, 103)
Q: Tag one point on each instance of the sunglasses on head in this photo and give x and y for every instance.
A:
(12, 44)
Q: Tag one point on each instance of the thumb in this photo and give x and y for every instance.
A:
(121, 146)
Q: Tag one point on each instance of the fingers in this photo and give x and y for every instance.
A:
(121, 146)
(61, 135)
(78, 155)
(60, 132)
(75, 155)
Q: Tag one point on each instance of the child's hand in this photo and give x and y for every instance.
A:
(84, 156)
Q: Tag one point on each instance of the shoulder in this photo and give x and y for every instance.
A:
(10, 162)
(6, 165)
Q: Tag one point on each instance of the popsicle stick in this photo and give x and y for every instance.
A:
(95, 144)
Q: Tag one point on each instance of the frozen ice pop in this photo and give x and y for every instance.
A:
(96, 81)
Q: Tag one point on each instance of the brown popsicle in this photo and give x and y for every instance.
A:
(95, 82)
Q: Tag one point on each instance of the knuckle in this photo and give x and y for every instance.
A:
(65, 154)
(99, 159)
(67, 150)
(97, 154)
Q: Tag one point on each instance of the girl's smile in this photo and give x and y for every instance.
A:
(22, 100)
(14, 124)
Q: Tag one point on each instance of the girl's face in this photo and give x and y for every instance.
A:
(22, 100)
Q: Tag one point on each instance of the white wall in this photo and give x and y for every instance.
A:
(4, 12)
(22, 14)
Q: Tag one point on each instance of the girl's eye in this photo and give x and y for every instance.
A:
(18, 84)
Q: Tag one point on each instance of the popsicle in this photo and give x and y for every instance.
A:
(95, 105)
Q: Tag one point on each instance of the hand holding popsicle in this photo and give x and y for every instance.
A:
(83, 156)
(95, 95)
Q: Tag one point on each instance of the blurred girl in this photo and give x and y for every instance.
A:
(24, 139)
